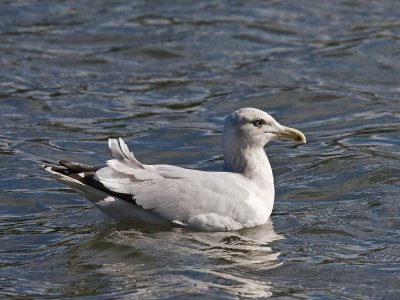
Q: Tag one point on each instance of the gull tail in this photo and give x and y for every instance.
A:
(82, 178)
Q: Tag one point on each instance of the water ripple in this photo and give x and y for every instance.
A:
(164, 77)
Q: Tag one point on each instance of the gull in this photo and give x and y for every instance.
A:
(240, 196)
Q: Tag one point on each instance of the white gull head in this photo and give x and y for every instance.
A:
(246, 132)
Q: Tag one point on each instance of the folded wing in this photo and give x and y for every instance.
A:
(175, 193)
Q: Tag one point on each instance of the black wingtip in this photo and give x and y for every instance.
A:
(77, 167)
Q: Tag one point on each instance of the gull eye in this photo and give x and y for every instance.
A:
(258, 122)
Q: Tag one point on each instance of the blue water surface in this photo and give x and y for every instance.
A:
(163, 75)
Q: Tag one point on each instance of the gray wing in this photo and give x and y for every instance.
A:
(175, 193)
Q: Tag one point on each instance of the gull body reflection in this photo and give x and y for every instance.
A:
(183, 261)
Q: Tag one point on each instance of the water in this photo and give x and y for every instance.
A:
(163, 75)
